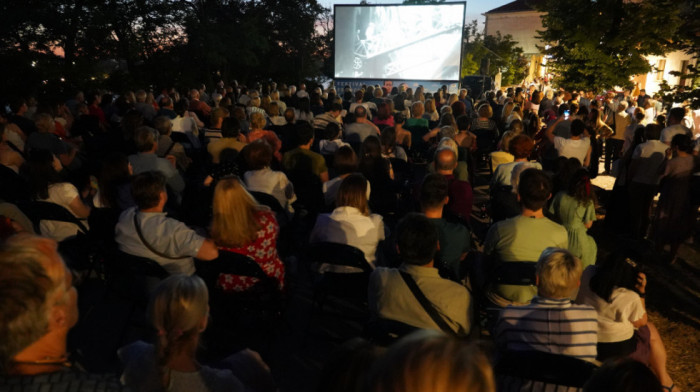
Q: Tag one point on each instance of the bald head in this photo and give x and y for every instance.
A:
(445, 161)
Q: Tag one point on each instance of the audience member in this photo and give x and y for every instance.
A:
(394, 293)
(551, 323)
(146, 231)
(38, 306)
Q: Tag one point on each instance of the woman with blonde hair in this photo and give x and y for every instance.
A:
(432, 361)
(243, 226)
(351, 222)
(179, 312)
(431, 113)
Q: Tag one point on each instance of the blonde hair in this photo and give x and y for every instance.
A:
(235, 221)
(559, 273)
(429, 360)
(353, 193)
(257, 120)
(178, 310)
(417, 109)
(485, 110)
(44, 123)
(507, 109)
(452, 99)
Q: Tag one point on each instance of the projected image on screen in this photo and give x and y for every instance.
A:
(399, 42)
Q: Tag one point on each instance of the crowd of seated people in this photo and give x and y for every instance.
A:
(180, 179)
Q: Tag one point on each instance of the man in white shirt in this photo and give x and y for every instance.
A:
(675, 125)
(577, 146)
(174, 243)
(644, 174)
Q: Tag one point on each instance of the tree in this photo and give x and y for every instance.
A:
(595, 44)
(502, 53)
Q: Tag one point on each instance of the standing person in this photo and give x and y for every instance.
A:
(575, 209)
(675, 216)
(644, 175)
(617, 290)
(613, 145)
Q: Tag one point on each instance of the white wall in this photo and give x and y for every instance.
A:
(674, 61)
(522, 26)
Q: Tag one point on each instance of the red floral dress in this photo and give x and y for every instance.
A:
(263, 250)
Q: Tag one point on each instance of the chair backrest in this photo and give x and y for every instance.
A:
(518, 273)
(140, 266)
(540, 371)
(235, 264)
(337, 254)
(37, 211)
(268, 200)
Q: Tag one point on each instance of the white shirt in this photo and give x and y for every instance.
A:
(650, 155)
(63, 194)
(184, 124)
(273, 183)
(347, 225)
(615, 318)
(571, 148)
(670, 131)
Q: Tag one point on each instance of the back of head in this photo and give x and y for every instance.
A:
(463, 123)
(521, 146)
(162, 124)
(218, 114)
(145, 138)
(417, 239)
(683, 143)
(234, 221)
(29, 285)
(399, 118)
(146, 188)
(257, 120)
(485, 111)
(577, 127)
(259, 154)
(432, 361)
(417, 109)
(178, 310)
(619, 269)
(304, 131)
(447, 131)
(345, 160)
(433, 191)
(652, 131)
(181, 108)
(559, 273)
(534, 188)
(675, 115)
(516, 126)
(371, 148)
(230, 127)
(360, 111)
(353, 193)
(445, 159)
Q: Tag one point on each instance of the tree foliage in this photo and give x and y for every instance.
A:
(594, 44)
(164, 42)
(503, 53)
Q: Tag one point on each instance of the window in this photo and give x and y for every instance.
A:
(660, 67)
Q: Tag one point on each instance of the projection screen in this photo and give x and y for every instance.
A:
(411, 42)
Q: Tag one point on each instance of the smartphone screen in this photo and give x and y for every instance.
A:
(566, 114)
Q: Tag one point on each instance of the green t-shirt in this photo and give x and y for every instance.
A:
(522, 239)
(300, 159)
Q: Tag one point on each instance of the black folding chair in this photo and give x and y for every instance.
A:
(326, 259)
(540, 371)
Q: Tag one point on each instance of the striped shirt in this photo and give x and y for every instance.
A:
(551, 325)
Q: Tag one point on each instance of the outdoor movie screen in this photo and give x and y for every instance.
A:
(412, 42)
